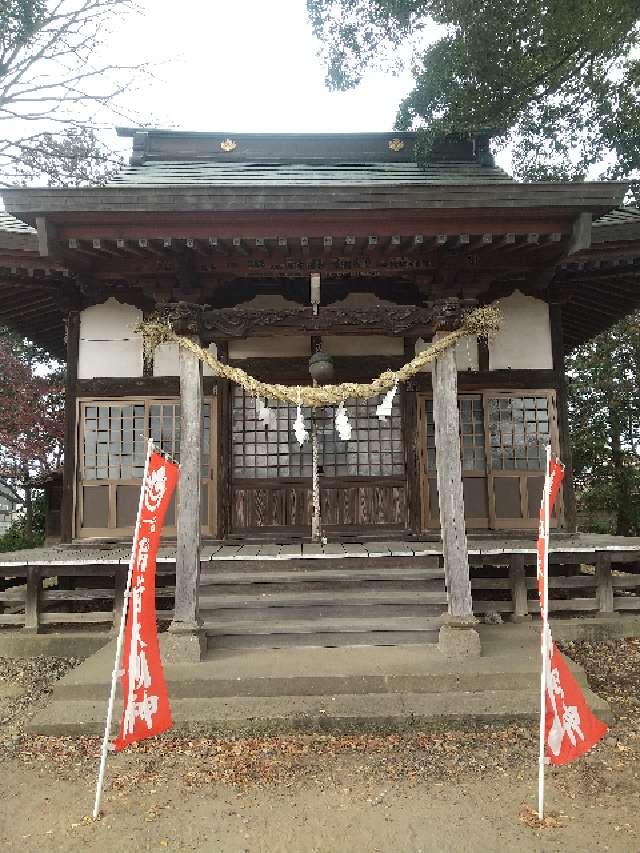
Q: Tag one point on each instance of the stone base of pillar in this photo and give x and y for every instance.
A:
(518, 619)
(183, 643)
(458, 638)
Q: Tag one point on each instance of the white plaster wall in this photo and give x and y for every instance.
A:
(466, 352)
(166, 361)
(274, 347)
(362, 345)
(108, 344)
(524, 341)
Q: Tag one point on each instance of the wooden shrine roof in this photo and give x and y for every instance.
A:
(187, 173)
(202, 209)
(250, 174)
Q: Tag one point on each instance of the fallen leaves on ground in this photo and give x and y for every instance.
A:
(442, 755)
(532, 818)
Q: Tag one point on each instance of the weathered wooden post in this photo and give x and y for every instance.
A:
(605, 583)
(119, 589)
(32, 600)
(518, 577)
(186, 635)
(458, 636)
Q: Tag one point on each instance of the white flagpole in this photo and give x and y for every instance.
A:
(116, 666)
(545, 631)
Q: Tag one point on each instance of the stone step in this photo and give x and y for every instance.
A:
(342, 712)
(189, 683)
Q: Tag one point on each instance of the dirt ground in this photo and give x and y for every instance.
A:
(466, 789)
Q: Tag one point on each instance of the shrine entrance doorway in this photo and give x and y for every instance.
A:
(362, 481)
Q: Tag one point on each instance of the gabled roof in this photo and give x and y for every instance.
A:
(228, 199)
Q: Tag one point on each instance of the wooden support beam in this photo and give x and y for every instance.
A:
(409, 404)
(224, 403)
(451, 499)
(518, 577)
(120, 586)
(48, 246)
(188, 514)
(70, 429)
(562, 406)
(580, 234)
(32, 600)
(605, 582)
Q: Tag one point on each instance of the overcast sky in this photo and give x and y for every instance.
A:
(247, 65)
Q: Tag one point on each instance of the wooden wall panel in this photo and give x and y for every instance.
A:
(278, 506)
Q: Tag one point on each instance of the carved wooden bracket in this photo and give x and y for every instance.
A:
(384, 319)
(448, 314)
(186, 317)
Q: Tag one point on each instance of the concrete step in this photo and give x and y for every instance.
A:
(289, 713)
(200, 682)
(389, 687)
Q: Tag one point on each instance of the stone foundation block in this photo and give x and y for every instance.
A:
(459, 640)
(182, 644)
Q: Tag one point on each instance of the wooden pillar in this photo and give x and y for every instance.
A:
(224, 402)
(557, 347)
(411, 439)
(605, 583)
(70, 429)
(451, 498)
(188, 514)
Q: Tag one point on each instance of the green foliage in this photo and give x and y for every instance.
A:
(604, 407)
(18, 537)
(559, 81)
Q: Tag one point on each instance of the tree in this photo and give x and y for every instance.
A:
(56, 80)
(559, 81)
(604, 406)
(31, 421)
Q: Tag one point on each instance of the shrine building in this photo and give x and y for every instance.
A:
(268, 249)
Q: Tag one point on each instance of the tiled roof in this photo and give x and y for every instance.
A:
(156, 173)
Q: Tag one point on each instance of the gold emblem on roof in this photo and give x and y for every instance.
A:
(228, 145)
(396, 144)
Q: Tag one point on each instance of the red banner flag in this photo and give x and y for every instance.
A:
(556, 475)
(146, 702)
(571, 729)
(555, 478)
